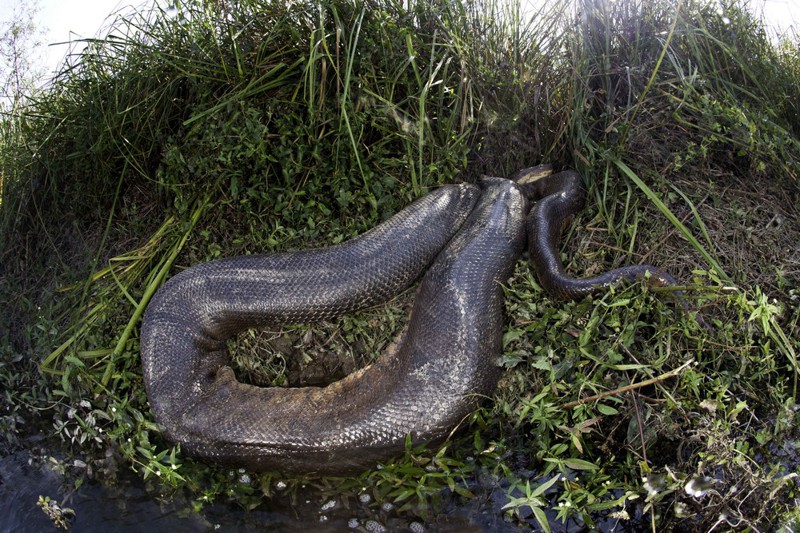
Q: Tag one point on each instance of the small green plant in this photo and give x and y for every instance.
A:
(532, 500)
(61, 516)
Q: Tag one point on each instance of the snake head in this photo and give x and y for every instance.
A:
(531, 174)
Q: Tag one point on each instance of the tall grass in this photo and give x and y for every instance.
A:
(340, 110)
(228, 128)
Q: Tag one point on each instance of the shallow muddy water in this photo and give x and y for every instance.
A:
(128, 506)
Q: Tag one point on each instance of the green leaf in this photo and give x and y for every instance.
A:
(542, 363)
(580, 464)
(75, 361)
(511, 336)
(538, 491)
(619, 303)
(607, 409)
(609, 504)
(541, 518)
(463, 491)
(145, 452)
(627, 367)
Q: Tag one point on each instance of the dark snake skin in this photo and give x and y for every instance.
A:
(560, 197)
(433, 377)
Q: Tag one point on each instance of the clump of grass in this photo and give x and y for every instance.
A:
(202, 131)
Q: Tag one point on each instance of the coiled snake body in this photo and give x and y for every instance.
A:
(443, 363)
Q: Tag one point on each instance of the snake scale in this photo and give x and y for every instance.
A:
(465, 239)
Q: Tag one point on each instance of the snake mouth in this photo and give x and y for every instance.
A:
(532, 174)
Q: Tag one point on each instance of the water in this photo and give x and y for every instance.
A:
(128, 506)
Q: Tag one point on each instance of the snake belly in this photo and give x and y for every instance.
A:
(442, 364)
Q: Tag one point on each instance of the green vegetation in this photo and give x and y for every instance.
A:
(220, 129)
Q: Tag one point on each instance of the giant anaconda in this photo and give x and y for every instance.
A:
(464, 238)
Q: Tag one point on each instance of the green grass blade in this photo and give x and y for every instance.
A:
(653, 197)
(150, 291)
